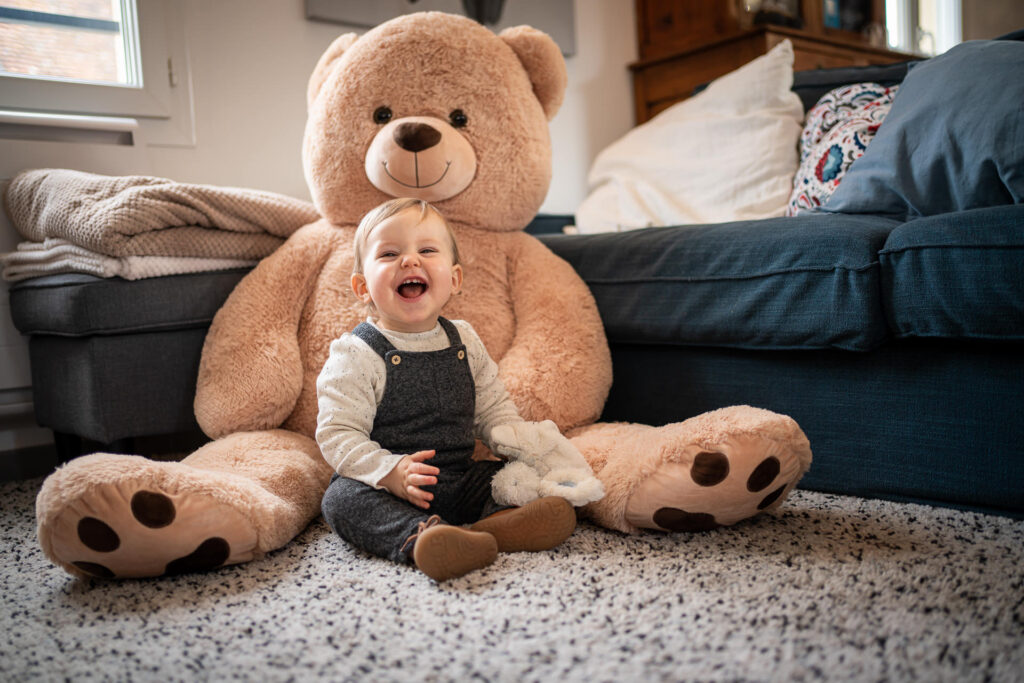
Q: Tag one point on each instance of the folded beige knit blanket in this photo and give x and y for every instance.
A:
(145, 216)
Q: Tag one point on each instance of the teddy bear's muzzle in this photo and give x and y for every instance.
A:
(422, 157)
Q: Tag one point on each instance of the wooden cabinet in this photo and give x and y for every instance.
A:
(684, 43)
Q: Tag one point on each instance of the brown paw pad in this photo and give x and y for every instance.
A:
(709, 469)
(154, 510)
(771, 497)
(764, 474)
(97, 535)
(210, 554)
(94, 569)
(674, 519)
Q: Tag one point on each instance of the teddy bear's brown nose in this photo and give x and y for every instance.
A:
(416, 137)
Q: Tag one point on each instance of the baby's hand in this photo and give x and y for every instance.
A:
(411, 472)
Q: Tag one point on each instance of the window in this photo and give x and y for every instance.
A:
(78, 40)
(926, 27)
(97, 58)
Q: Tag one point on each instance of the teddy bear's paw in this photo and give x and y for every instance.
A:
(719, 486)
(141, 526)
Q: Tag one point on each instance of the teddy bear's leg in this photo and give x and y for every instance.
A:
(231, 501)
(711, 470)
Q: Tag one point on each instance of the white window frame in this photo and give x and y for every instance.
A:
(906, 35)
(162, 104)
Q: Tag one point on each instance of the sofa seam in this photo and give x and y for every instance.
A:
(774, 273)
(919, 247)
(192, 324)
(112, 282)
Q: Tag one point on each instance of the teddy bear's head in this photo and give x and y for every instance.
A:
(437, 107)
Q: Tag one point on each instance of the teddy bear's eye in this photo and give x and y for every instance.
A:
(382, 115)
(458, 118)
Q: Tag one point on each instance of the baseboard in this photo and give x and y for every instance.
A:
(36, 461)
(28, 462)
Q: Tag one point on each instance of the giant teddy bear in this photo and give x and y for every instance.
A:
(438, 107)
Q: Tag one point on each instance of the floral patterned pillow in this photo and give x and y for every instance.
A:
(836, 132)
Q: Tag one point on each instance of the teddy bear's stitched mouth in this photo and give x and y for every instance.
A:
(447, 166)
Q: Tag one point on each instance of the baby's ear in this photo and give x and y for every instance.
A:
(359, 287)
(457, 275)
(323, 67)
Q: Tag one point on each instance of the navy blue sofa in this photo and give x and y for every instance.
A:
(896, 343)
(898, 347)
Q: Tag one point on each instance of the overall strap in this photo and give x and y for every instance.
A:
(373, 338)
(454, 338)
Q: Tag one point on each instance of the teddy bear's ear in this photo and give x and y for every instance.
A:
(323, 67)
(544, 64)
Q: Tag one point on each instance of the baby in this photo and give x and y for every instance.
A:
(402, 399)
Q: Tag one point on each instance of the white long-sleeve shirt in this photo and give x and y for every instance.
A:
(351, 386)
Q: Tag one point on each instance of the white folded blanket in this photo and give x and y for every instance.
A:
(53, 256)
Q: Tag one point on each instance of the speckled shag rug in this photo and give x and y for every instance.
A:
(828, 587)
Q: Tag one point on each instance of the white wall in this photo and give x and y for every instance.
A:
(984, 19)
(598, 106)
(249, 62)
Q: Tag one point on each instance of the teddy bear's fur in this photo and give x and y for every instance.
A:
(387, 112)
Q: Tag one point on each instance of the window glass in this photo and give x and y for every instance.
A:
(924, 27)
(82, 40)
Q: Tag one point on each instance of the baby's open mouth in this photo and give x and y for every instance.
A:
(410, 289)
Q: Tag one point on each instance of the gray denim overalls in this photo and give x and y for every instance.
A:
(429, 402)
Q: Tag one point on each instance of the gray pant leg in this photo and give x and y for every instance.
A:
(371, 519)
(471, 498)
(379, 523)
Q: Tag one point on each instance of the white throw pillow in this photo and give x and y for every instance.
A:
(728, 153)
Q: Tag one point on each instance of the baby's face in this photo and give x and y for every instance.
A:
(408, 272)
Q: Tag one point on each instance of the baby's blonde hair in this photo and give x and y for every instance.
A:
(378, 215)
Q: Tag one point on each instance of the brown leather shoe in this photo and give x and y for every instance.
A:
(541, 524)
(445, 552)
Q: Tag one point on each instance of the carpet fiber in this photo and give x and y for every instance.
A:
(828, 587)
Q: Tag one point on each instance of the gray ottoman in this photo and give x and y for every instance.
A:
(113, 360)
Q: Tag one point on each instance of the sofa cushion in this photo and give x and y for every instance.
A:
(953, 140)
(957, 276)
(75, 305)
(807, 282)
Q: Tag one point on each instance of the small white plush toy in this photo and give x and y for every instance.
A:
(543, 463)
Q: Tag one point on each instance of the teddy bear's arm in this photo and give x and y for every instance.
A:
(558, 366)
(251, 372)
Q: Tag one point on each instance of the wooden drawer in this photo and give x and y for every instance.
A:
(809, 55)
(660, 83)
(657, 85)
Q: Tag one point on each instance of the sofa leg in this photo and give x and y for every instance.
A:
(125, 445)
(69, 446)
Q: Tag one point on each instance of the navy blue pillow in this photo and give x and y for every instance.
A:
(953, 140)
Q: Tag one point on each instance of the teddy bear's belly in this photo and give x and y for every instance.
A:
(490, 314)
